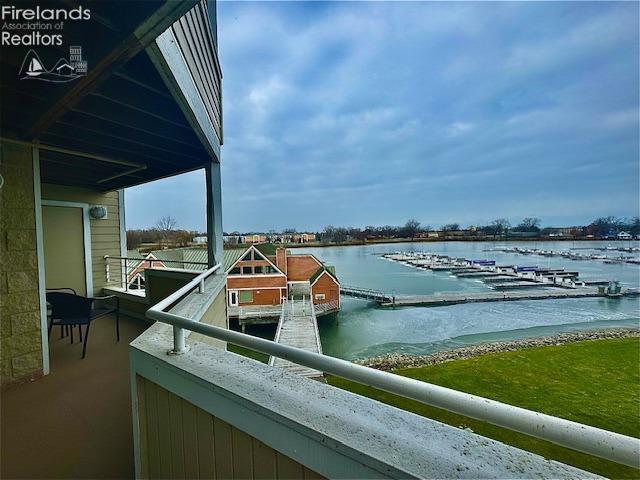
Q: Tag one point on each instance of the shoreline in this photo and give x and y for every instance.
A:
(360, 243)
(393, 361)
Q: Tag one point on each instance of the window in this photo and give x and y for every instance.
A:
(235, 271)
(269, 269)
(246, 270)
(319, 296)
(258, 270)
(247, 257)
(246, 296)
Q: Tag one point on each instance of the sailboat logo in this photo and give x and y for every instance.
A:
(63, 71)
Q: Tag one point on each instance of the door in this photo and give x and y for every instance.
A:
(233, 298)
(64, 249)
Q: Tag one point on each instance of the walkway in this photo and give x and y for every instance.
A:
(298, 327)
(453, 298)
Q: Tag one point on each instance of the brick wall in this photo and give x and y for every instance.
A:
(20, 347)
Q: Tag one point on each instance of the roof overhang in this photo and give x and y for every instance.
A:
(136, 116)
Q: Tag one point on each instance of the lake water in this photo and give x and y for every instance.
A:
(362, 329)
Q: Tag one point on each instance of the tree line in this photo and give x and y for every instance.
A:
(499, 227)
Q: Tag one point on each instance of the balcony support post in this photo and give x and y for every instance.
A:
(214, 213)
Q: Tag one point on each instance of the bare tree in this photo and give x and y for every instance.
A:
(165, 226)
(500, 226)
(411, 228)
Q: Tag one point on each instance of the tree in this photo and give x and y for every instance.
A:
(500, 226)
(603, 226)
(451, 227)
(166, 225)
(528, 224)
(411, 228)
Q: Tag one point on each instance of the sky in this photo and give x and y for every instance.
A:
(371, 113)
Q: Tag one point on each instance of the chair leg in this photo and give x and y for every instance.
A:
(71, 333)
(51, 328)
(86, 337)
(80, 331)
(118, 325)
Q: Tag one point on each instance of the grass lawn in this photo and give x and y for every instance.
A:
(595, 382)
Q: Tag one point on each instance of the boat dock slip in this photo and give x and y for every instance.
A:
(298, 327)
(502, 278)
(480, 274)
(520, 284)
(454, 298)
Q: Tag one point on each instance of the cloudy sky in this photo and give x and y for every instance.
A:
(372, 113)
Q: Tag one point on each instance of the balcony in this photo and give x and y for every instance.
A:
(76, 421)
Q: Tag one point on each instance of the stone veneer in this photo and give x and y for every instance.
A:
(21, 341)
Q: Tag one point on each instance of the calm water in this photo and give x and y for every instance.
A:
(362, 329)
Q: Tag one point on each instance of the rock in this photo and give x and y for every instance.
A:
(395, 360)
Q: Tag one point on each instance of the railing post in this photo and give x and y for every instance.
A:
(106, 268)
(201, 286)
(179, 341)
(126, 274)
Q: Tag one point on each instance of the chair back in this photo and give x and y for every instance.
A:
(66, 306)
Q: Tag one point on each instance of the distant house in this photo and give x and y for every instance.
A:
(624, 236)
(254, 238)
(200, 240)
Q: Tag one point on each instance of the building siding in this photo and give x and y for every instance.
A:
(178, 440)
(327, 286)
(105, 233)
(20, 334)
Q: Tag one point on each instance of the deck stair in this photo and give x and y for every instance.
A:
(298, 327)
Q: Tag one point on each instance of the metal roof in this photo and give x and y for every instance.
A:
(231, 256)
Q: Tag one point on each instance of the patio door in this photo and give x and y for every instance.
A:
(65, 233)
(233, 298)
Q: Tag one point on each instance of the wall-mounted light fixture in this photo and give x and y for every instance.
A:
(98, 212)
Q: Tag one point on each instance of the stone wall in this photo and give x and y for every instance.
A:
(21, 341)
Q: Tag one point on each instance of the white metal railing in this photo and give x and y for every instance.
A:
(118, 270)
(584, 438)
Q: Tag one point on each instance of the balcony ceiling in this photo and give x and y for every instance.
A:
(119, 125)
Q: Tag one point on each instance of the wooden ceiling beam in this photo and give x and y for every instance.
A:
(155, 23)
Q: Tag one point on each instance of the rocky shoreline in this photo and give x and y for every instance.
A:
(395, 360)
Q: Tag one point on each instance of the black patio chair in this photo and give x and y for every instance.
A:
(69, 310)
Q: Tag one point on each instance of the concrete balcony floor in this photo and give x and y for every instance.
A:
(75, 422)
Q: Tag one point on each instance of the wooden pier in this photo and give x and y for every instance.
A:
(454, 298)
(298, 327)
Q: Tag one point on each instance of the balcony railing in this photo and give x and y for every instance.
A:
(594, 441)
(126, 272)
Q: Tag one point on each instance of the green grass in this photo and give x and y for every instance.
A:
(596, 383)
(261, 357)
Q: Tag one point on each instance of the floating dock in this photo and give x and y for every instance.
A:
(454, 298)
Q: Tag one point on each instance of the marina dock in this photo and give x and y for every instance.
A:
(507, 282)
(454, 298)
(298, 327)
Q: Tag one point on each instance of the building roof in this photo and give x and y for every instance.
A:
(231, 256)
(301, 267)
(320, 271)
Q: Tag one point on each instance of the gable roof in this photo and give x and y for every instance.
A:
(320, 272)
(233, 256)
